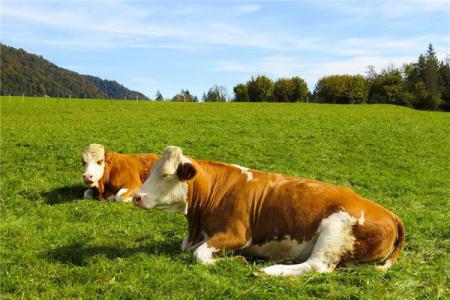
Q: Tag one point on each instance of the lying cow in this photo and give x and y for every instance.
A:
(271, 215)
(114, 176)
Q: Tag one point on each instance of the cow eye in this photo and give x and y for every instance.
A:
(165, 175)
(99, 162)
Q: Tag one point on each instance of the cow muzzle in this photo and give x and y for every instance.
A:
(137, 200)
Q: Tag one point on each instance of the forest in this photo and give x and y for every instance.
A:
(23, 73)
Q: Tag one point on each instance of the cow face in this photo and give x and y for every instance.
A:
(166, 188)
(93, 159)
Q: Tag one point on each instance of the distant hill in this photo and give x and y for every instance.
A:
(30, 74)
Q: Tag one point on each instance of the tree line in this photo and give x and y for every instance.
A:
(424, 84)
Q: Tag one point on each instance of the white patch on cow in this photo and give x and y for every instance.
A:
(245, 171)
(163, 190)
(186, 208)
(361, 219)
(284, 249)
(335, 239)
(118, 197)
(204, 254)
(247, 244)
(384, 267)
(94, 164)
(88, 194)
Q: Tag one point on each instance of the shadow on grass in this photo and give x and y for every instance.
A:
(64, 194)
(79, 254)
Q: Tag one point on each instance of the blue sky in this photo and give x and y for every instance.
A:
(174, 45)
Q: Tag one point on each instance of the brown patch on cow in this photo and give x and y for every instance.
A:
(124, 171)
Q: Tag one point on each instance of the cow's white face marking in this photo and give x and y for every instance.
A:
(94, 164)
(285, 249)
(205, 254)
(163, 189)
(245, 171)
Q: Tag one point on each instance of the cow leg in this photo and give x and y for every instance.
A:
(88, 194)
(207, 252)
(185, 244)
(335, 239)
(125, 194)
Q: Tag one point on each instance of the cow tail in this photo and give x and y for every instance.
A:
(398, 245)
(400, 239)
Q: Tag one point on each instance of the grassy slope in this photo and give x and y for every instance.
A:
(53, 244)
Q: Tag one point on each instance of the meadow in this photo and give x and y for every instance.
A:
(54, 244)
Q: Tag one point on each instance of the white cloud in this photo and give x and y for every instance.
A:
(246, 9)
(113, 28)
(119, 24)
(386, 9)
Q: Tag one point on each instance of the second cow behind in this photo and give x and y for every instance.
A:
(114, 176)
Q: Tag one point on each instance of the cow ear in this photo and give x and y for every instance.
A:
(186, 171)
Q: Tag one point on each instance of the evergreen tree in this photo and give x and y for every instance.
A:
(431, 76)
(444, 70)
(424, 81)
(184, 96)
(159, 96)
(216, 93)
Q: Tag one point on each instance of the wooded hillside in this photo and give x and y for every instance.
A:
(30, 74)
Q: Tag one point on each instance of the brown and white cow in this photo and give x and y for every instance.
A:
(271, 215)
(114, 176)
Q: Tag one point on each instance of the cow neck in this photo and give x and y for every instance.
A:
(105, 178)
(199, 202)
(198, 187)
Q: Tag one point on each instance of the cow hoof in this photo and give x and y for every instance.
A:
(120, 199)
(88, 194)
(258, 273)
(275, 270)
(241, 259)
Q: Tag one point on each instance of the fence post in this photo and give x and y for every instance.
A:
(46, 99)
(23, 98)
(9, 98)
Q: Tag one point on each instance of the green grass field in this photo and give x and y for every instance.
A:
(56, 245)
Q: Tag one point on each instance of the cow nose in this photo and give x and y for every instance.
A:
(87, 177)
(136, 198)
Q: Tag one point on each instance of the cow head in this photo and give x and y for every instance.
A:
(93, 159)
(166, 188)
